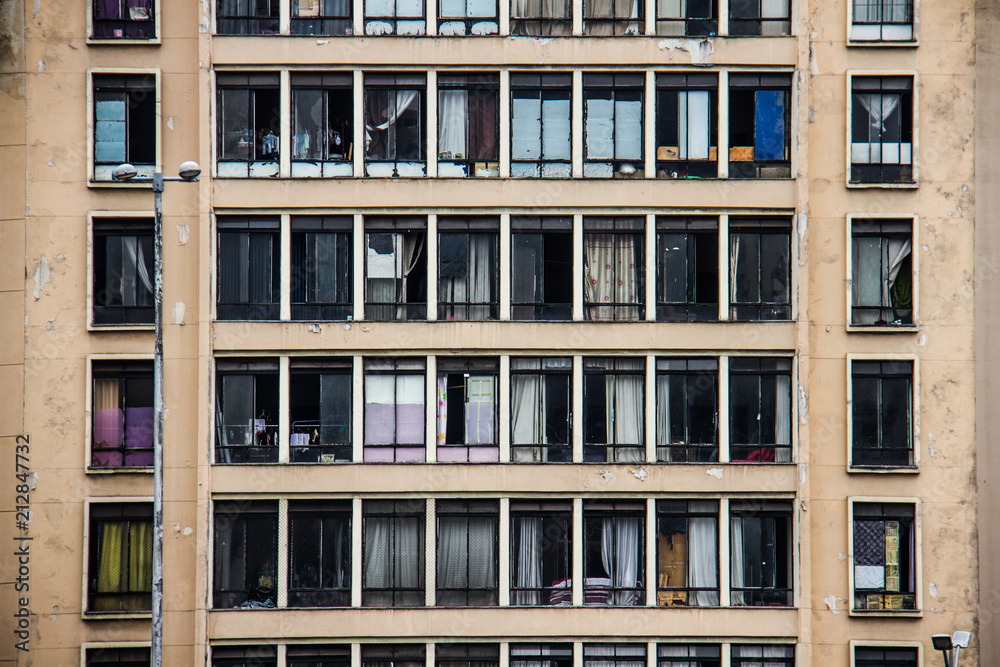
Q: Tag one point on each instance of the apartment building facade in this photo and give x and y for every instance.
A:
(578, 333)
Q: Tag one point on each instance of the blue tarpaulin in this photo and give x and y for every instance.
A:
(769, 125)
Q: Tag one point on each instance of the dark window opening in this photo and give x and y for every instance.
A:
(882, 273)
(124, 123)
(882, 20)
(308, 655)
(124, 19)
(540, 409)
(322, 125)
(613, 269)
(547, 655)
(541, 554)
(468, 272)
(687, 269)
(760, 123)
(468, 122)
(614, 655)
(882, 129)
(120, 565)
(246, 554)
(468, 429)
(677, 18)
(123, 414)
(395, 269)
(612, 124)
(688, 655)
(540, 125)
(687, 553)
(395, 393)
(882, 413)
(393, 566)
(761, 554)
(614, 553)
(760, 18)
(244, 656)
(687, 410)
(757, 654)
(321, 286)
(137, 656)
(395, 120)
(319, 554)
(613, 410)
(246, 405)
(249, 286)
(541, 268)
(468, 553)
(687, 127)
(882, 656)
(123, 271)
(760, 269)
(393, 655)
(247, 17)
(321, 17)
(760, 410)
(249, 121)
(319, 406)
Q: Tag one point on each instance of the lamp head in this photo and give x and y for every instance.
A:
(961, 638)
(189, 171)
(124, 172)
(942, 642)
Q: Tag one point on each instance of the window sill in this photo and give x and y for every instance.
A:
(116, 615)
(112, 470)
(900, 328)
(887, 613)
(886, 186)
(881, 44)
(91, 183)
(883, 470)
(120, 327)
(113, 41)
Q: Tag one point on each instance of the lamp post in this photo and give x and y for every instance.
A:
(188, 172)
(949, 646)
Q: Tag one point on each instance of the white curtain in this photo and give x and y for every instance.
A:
(620, 558)
(693, 119)
(783, 418)
(609, 9)
(879, 107)
(872, 149)
(134, 266)
(736, 560)
(482, 553)
(764, 652)
(528, 573)
(377, 555)
(481, 274)
(453, 553)
(396, 104)
(442, 409)
(453, 114)
(663, 418)
(703, 552)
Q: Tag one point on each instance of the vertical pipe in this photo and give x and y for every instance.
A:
(157, 611)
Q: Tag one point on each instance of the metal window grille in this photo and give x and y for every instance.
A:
(677, 18)
(541, 565)
(760, 272)
(882, 656)
(249, 124)
(541, 409)
(760, 409)
(395, 396)
(395, 122)
(687, 553)
(541, 268)
(882, 413)
(245, 573)
(123, 271)
(467, 655)
(687, 269)
(138, 656)
(322, 125)
(688, 655)
(249, 264)
(120, 565)
(321, 17)
(614, 405)
(761, 554)
(393, 655)
(246, 405)
(318, 655)
(321, 268)
(468, 269)
(122, 430)
(393, 546)
(396, 269)
(614, 655)
(467, 420)
(760, 123)
(614, 553)
(755, 655)
(319, 553)
(468, 553)
(541, 124)
(687, 411)
(124, 123)
(612, 120)
(882, 272)
(246, 17)
(760, 18)
(244, 656)
(541, 655)
(614, 269)
(124, 19)
(882, 129)
(884, 556)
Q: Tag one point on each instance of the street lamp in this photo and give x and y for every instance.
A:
(949, 646)
(188, 172)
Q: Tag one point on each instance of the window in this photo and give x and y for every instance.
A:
(321, 286)
(885, 551)
(395, 138)
(467, 429)
(687, 410)
(131, 656)
(249, 121)
(885, 656)
(773, 655)
(543, 655)
(468, 17)
(687, 553)
(677, 18)
(613, 267)
(120, 564)
(393, 568)
(687, 127)
(613, 17)
(760, 409)
(540, 128)
(881, 413)
(764, 18)
(882, 20)
(123, 271)
(249, 268)
(468, 553)
(541, 18)
(541, 280)
(123, 414)
(246, 554)
(882, 129)
(760, 540)
(400, 17)
(123, 19)
(612, 123)
(322, 123)
(468, 275)
(321, 17)
(467, 655)
(614, 655)
(319, 553)
(687, 269)
(246, 17)
(614, 553)
(319, 406)
(688, 655)
(540, 408)
(246, 404)
(244, 656)
(613, 410)
(468, 122)
(124, 123)
(882, 273)
(541, 539)
(760, 123)
(760, 270)
(396, 655)
(395, 268)
(394, 410)
(306, 655)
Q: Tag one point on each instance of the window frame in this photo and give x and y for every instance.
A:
(559, 592)
(755, 511)
(914, 180)
(255, 165)
(86, 647)
(761, 227)
(620, 26)
(393, 20)
(249, 226)
(329, 452)
(767, 82)
(327, 84)
(401, 366)
(396, 83)
(914, 360)
(325, 510)
(668, 156)
(914, 24)
(564, 451)
(157, 166)
(762, 20)
(484, 228)
(666, 595)
(468, 21)
(710, 31)
(616, 229)
(615, 84)
(556, 86)
(94, 220)
(451, 165)
(614, 657)
(600, 510)
(98, 359)
(247, 20)
(772, 371)
(478, 509)
(323, 19)
(398, 226)
(268, 507)
(89, 503)
(541, 25)
(262, 655)
(918, 612)
(855, 644)
(479, 368)
(254, 453)
(854, 219)
(410, 512)
(610, 451)
(753, 661)
(303, 272)
(689, 660)
(318, 655)
(703, 367)
(696, 229)
(92, 24)
(546, 227)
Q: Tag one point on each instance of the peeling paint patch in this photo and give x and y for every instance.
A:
(842, 556)
(50, 325)
(541, 40)
(50, 163)
(922, 340)
(803, 405)
(932, 589)
(803, 473)
(606, 474)
(183, 234)
(803, 227)
(715, 472)
(170, 122)
(32, 481)
(27, 210)
(347, 326)
(700, 50)
(177, 527)
(53, 617)
(813, 114)
(187, 531)
(177, 316)
(930, 444)
(813, 60)
(321, 42)
(41, 276)
(41, 65)
(315, 328)
(37, 7)
(831, 603)
(639, 473)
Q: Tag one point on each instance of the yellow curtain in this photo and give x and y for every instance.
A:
(140, 566)
(109, 566)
